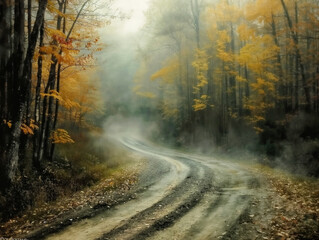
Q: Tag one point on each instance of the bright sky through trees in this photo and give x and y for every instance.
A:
(135, 9)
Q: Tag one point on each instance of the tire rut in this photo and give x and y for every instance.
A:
(152, 219)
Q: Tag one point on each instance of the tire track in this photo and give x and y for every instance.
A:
(180, 196)
(164, 213)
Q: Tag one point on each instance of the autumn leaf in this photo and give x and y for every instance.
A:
(61, 136)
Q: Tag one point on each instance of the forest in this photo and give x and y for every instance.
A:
(47, 88)
(235, 74)
(230, 77)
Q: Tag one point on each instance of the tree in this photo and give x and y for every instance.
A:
(21, 81)
(32, 66)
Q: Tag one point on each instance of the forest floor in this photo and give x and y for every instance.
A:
(53, 216)
(293, 202)
(286, 207)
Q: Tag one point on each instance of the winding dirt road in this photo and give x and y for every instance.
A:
(180, 196)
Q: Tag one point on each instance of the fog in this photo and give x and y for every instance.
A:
(166, 63)
(135, 119)
(117, 63)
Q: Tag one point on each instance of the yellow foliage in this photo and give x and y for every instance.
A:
(262, 10)
(245, 33)
(78, 94)
(259, 54)
(26, 129)
(225, 56)
(32, 125)
(149, 95)
(169, 111)
(54, 94)
(226, 12)
(61, 136)
(168, 72)
(222, 41)
(52, 8)
(240, 79)
(51, 49)
(201, 103)
(198, 106)
(272, 77)
(200, 65)
(8, 123)
(69, 56)
(265, 85)
(29, 129)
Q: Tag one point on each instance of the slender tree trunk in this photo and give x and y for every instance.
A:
(58, 86)
(13, 150)
(241, 95)
(232, 79)
(18, 108)
(51, 84)
(50, 125)
(296, 90)
(35, 157)
(56, 111)
(4, 77)
(298, 56)
(4, 57)
(247, 88)
(196, 15)
(24, 141)
(290, 84)
(43, 124)
(281, 83)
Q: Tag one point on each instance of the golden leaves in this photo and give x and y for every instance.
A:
(26, 129)
(61, 136)
(200, 65)
(201, 103)
(259, 54)
(29, 129)
(246, 33)
(241, 79)
(262, 10)
(168, 72)
(55, 34)
(227, 12)
(54, 94)
(8, 123)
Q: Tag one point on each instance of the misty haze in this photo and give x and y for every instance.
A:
(159, 119)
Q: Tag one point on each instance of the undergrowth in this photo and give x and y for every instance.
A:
(74, 167)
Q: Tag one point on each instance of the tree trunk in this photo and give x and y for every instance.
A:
(18, 108)
(196, 15)
(5, 46)
(35, 157)
(298, 57)
(296, 89)
(232, 79)
(4, 57)
(24, 141)
(47, 150)
(13, 150)
(51, 83)
(281, 83)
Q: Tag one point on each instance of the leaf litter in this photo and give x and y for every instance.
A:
(104, 194)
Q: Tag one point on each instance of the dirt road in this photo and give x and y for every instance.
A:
(180, 196)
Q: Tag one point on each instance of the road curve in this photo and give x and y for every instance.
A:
(180, 196)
